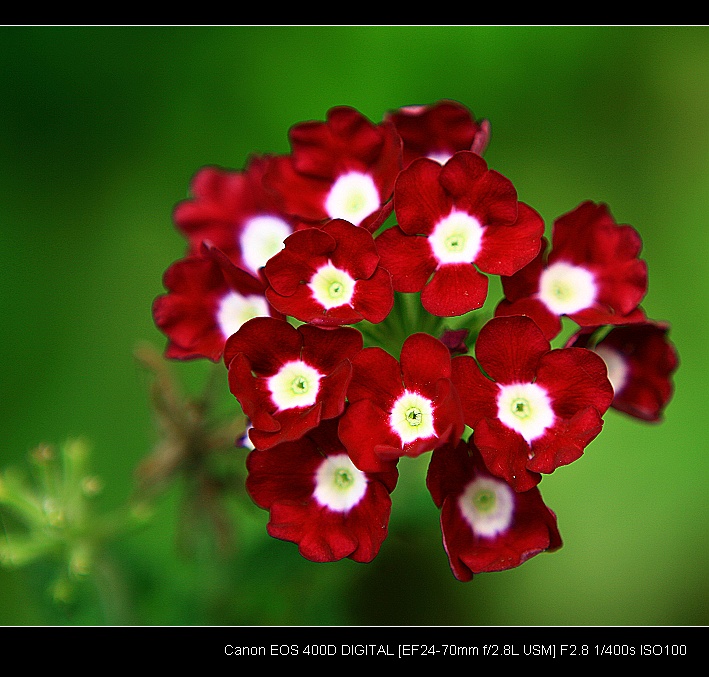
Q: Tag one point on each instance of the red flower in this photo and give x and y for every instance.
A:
(486, 524)
(439, 130)
(232, 210)
(318, 499)
(287, 380)
(532, 408)
(592, 274)
(455, 221)
(400, 408)
(641, 362)
(343, 168)
(330, 276)
(208, 299)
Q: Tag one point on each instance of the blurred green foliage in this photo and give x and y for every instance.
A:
(102, 130)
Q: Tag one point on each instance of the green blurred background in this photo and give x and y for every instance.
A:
(102, 129)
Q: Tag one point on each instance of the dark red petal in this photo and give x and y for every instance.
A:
(448, 470)
(317, 540)
(481, 192)
(478, 394)
(623, 285)
(310, 242)
(454, 289)
(419, 199)
(509, 349)
(364, 430)
(287, 271)
(190, 325)
(268, 342)
(449, 421)
(506, 249)
(236, 278)
(525, 283)
(424, 360)
(374, 298)
(506, 454)
(284, 473)
(376, 376)
(597, 316)
(251, 394)
(355, 252)
(294, 424)
(303, 195)
(324, 349)
(565, 441)
(408, 258)
(333, 390)
(575, 378)
(548, 322)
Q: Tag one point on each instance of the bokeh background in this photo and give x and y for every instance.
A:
(101, 130)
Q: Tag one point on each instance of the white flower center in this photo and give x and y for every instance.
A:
(526, 408)
(411, 417)
(296, 384)
(439, 156)
(487, 505)
(456, 238)
(339, 485)
(616, 365)
(331, 286)
(234, 309)
(353, 197)
(262, 238)
(566, 288)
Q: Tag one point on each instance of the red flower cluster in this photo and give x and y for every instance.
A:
(327, 279)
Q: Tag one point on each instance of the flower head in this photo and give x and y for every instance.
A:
(343, 168)
(532, 408)
(287, 380)
(438, 130)
(317, 498)
(641, 362)
(486, 524)
(400, 408)
(456, 222)
(233, 211)
(330, 276)
(591, 274)
(208, 299)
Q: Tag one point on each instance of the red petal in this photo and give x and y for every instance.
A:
(454, 290)
(565, 441)
(481, 192)
(374, 298)
(324, 349)
(506, 249)
(509, 349)
(424, 360)
(376, 376)
(268, 343)
(364, 430)
(478, 394)
(294, 424)
(356, 252)
(505, 453)
(548, 322)
(419, 199)
(408, 258)
(575, 378)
